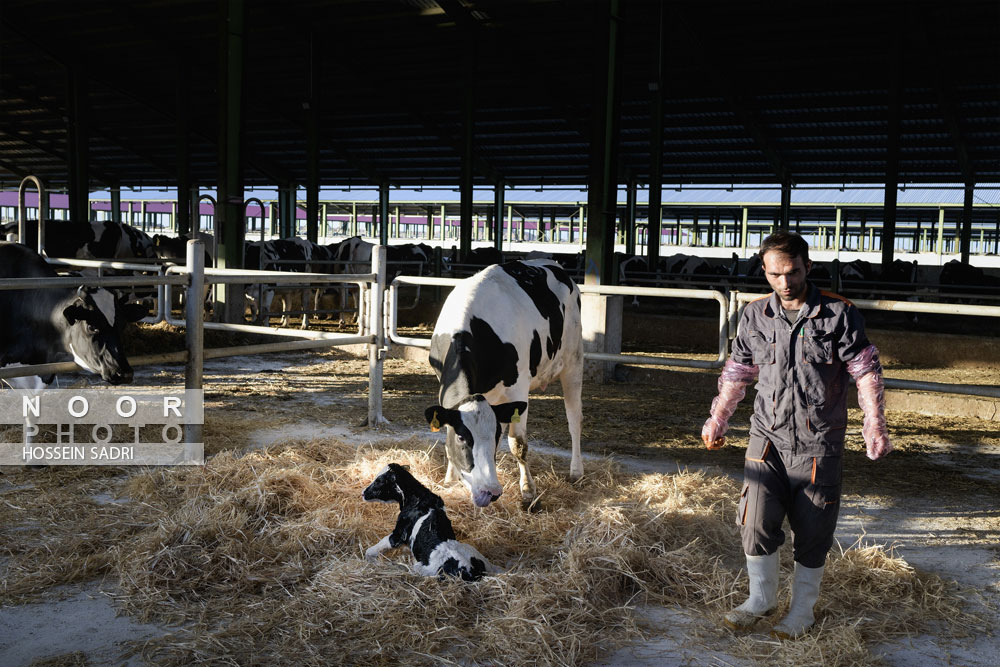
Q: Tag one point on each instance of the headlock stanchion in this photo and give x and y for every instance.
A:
(22, 212)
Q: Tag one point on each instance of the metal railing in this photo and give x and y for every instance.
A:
(193, 276)
(740, 299)
(609, 290)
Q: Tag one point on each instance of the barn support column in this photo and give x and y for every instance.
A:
(383, 213)
(784, 214)
(744, 232)
(182, 99)
(498, 195)
(965, 243)
(465, 185)
(229, 226)
(602, 195)
(940, 234)
(312, 142)
(601, 313)
(286, 212)
(836, 235)
(889, 225)
(892, 155)
(630, 221)
(443, 224)
(116, 205)
(78, 140)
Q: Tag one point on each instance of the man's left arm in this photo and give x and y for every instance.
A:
(864, 366)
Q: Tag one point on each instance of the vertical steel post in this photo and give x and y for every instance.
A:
(498, 205)
(229, 224)
(194, 330)
(836, 235)
(376, 328)
(78, 139)
(182, 100)
(631, 193)
(965, 235)
(383, 213)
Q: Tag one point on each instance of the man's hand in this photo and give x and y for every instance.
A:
(713, 433)
(877, 444)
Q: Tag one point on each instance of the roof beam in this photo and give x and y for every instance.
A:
(64, 54)
(743, 107)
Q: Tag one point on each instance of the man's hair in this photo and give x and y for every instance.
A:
(786, 243)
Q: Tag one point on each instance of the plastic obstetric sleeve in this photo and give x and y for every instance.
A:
(867, 373)
(732, 388)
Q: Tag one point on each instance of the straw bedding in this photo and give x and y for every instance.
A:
(259, 558)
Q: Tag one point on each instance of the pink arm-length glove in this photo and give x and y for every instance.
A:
(867, 373)
(732, 388)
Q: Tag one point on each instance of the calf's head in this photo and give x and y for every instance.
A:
(393, 484)
(92, 325)
(471, 444)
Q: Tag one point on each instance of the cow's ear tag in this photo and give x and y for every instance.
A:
(435, 424)
(515, 418)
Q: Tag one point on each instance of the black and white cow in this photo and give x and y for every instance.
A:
(91, 240)
(424, 527)
(506, 330)
(40, 326)
(271, 256)
(352, 255)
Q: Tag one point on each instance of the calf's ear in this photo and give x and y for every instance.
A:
(510, 413)
(438, 416)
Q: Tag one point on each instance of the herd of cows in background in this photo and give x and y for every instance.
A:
(858, 278)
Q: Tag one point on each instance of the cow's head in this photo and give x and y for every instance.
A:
(471, 444)
(94, 319)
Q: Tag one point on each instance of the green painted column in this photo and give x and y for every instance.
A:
(498, 206)
(965, 237)
(229, 217)
(182, 101)
(383, 214)
(78, 139)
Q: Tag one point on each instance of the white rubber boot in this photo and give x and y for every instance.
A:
(805, 591)
(763, 573)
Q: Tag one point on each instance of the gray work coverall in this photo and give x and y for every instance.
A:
(794, 460)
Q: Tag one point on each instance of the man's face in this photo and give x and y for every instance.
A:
(786, 275)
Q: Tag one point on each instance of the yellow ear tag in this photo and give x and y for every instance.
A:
(515, 418)
(435, 424)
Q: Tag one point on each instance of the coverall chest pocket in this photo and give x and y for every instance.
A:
(762, 347)
(817, 346)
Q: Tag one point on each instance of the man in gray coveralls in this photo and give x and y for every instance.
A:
(803, 346)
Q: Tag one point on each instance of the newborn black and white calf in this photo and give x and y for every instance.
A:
(424, 526)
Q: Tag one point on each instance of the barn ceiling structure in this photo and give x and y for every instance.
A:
(125, 93)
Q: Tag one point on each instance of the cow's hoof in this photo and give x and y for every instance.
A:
(574, 477)
(531, 505)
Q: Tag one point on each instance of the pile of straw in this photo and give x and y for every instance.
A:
(260, 556)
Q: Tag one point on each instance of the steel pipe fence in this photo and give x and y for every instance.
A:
(193, 276)
(740, 299)
(608, 290)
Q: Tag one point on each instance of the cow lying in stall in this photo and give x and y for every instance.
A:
(424, 527)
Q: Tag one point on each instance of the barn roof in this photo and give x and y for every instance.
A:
(754, 92)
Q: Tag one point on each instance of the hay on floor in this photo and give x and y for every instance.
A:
(260, 555)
